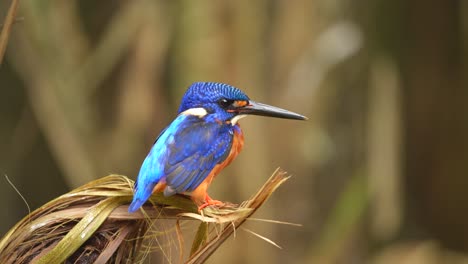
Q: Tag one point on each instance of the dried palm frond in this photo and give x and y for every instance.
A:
(91, 225)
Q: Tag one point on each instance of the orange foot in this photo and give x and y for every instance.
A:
(210, 202)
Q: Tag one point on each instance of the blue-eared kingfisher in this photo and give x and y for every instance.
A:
(204, 138)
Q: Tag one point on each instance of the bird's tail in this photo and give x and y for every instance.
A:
(136, 203)
(140, 196)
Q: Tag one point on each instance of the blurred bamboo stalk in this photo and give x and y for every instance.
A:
(384, 150)
(200, 45)
(60, 82)
(7, 26)
(139, 97)
(250, 46)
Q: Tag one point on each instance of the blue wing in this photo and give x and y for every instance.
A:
(183, 155)
(198, 147)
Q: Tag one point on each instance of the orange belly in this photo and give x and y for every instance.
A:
(198, 195)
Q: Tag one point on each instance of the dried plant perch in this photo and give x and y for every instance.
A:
(91, 225)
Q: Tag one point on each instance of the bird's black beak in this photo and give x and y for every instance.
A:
(254, 108)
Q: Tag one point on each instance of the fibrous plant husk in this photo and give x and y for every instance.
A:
(91, 225)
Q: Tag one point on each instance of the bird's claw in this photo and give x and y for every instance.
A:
(210, 202)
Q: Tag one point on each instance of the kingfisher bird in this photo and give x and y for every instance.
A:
(203, 139)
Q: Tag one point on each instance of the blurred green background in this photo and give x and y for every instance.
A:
(380, 171)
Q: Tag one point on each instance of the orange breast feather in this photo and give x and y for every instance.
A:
(198, 195)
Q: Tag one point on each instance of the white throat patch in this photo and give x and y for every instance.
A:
(199, 111)
(235, 119)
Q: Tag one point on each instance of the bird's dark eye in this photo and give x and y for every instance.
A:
(225, 103)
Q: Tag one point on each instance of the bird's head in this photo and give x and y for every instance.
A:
(223, 102)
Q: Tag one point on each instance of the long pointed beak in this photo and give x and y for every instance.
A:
(254, 108)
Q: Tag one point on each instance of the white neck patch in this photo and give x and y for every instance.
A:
(199, 111)
(235, 119)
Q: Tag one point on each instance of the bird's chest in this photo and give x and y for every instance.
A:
(237, 142)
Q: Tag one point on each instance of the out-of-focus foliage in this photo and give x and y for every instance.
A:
(380, 169)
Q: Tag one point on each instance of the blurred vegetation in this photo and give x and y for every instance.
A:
(380, 169)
